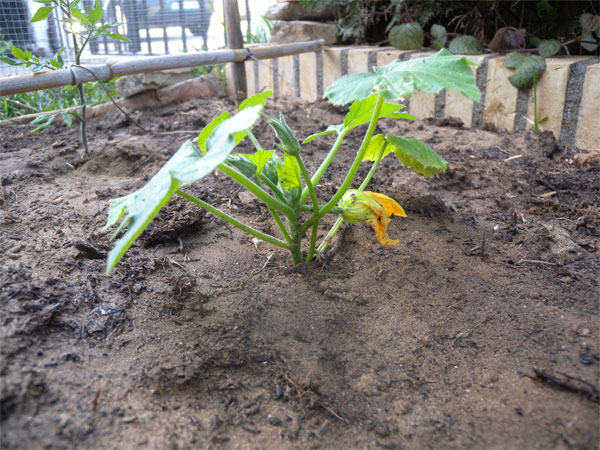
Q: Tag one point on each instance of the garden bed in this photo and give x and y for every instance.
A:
(202, 337)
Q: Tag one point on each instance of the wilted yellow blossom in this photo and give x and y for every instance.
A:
(372, 208)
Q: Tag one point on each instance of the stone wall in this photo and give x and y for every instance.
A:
(568, 94)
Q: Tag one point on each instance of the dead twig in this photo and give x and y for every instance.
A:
(568, 382)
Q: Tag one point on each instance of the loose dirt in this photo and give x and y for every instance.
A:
(479, 329)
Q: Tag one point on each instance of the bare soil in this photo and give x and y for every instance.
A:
(480, 329)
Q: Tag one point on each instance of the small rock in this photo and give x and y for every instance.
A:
(275, 421)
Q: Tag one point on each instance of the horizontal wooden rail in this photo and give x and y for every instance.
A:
(111, 69)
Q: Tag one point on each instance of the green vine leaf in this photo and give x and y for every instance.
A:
(549, 48)
(399, 78)
(186, 166)
(465, 45)
(42, 13)
(413, 153)
(438, 32)
(408, 36)
(514, 60)
(409, 151)
(527, 67)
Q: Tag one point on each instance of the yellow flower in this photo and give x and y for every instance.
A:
(372, 208)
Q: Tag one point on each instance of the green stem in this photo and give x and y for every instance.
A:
(315, 204)
(324, 165)
(296, 245)
(83, 120)
(362, 187)
(258, 191)
(354, 168)
(254, 141)
(281, 225)
(242, 226)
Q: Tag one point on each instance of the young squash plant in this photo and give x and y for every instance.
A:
(281, 180)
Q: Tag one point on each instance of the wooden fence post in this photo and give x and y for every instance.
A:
(237, 80)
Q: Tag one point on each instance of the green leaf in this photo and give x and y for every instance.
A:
(588, 44)
(465, 45)
(549, 48)
(257, 99)
(21, 54)
(49, 118)
(67, 118)
(8, 60)
(242, 164)
(439, 33)
(80, 16)
(208, 130)
(514, 60)
(96, 13)
(413, 153)
(399, 78)
(330, 129)
(408, 36)
(375, 147)
(260, 158)
(360, 113)
(271, 169)
(117, 36)
(42, 13)
(186, 166)
(289, 173)
(533, 65)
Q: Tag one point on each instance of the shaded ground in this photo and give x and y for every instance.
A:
(200, 339)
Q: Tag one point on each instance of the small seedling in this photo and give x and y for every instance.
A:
(83, 29)
(284, 184)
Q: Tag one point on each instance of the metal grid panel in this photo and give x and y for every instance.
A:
(154, 27)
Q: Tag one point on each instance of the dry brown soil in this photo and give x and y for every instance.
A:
(201, 338)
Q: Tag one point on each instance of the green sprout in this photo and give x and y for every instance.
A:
(284, 184)
(83, 29)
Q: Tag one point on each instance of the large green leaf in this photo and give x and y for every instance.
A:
(413, 153)
(186, 166)
(399, 78)
(208, 130)
(532, 67)
(409, 151)
(408, 36)
(514, 60)
(465, 45)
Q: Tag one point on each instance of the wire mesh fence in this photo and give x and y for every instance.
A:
(153, 27)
